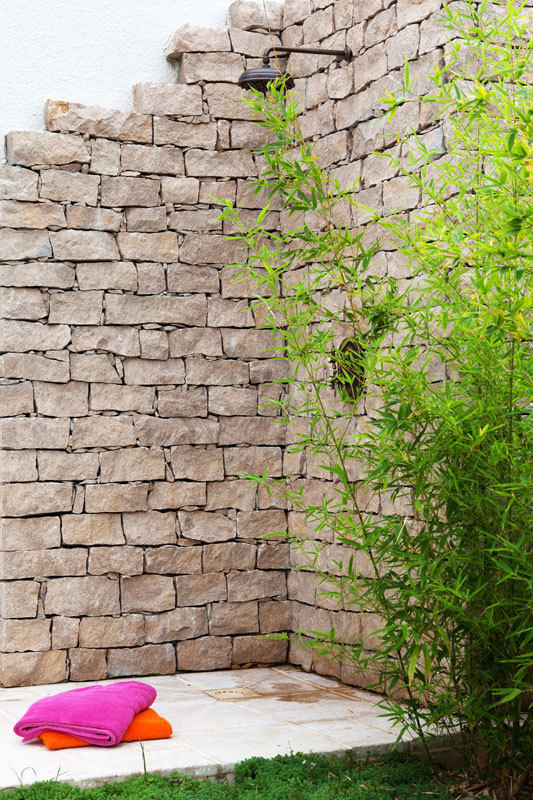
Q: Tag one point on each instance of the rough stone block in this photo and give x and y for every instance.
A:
(105, 157)
(154, 344)
(252, 14)
(35, 533)
(16, 398)
(228, 556)
(399, 194)
(146, 220)
(100, 431)
(74, 187)
(318, 25)
(232, 164)
(211, 67)
(193, 39)
(174, 560)
(180, 494)
(135, 464)
(197, 464)
(19, 599)
(176, 625)
(91, 529)
(87, 596)
(105, 397)
(166, 432)
(107, 275)
(33, 148)
(167, 99)
(151, 659)
(97, 121)
(76, 308)
(182, 402)
(296, 11)
(252, 460)
(210, 249)
(24, 434)
(187, 341)
(57, 466)
(194, 220)
(140, 158)
(149, 527)
(24, 634)
(180, 190)
(22, 304)
(225, 101)
(17, 183)
(142, 371)
(231, 494)
(125, 309)
(127, 631)
(32, 367)
(258, 650)
(24, 244)
(216, 373)
(151, 278)
(186, 278)
(93, 368)
(124, 191)
(273, 556)
(204, 526)
(231, 618)
(87, 665)
(205, 653)
(410, 11)
(231, 401)
(255, 585)
(64, 632)
(31, 669)
(275, 615)
(118, 339)
(43, 274)
(197, 590)
(252, 430)
(84, 245)
(148, 593)
(18, 336)
(122, 560)
(114, 497)
(43, 563)
(96, 219)
(17, 214)
(229, 313)
(185, 134)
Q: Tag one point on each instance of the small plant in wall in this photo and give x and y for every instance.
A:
(413, 395)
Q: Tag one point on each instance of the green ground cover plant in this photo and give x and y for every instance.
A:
(412, 392)
(295, 777)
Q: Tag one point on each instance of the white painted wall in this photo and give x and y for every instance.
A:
(87, 51)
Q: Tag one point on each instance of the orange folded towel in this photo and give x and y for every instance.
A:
(145, 725)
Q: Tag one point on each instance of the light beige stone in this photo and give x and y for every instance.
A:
(32, 148)
(203, 526)
(295, 11)
(84, 245)
(30, 669)
(17, 183)
(381, 27)
(182, 402)
(133, 464)
(186, 341)
(180, 190)
(64, 632)
(232, 618)
(115, 338)
(150, 527)
(17, 635)
(126, 631)
(230, 401)
(197, 464)
(37, 273)
(217, 373)
(105, 157)
(166, 432)
(23, 434)
(141, 371)
(17, 214)
(210, 67)
(258, 650)
(197, 590)
(255, 524)
(148, 593)
(176, 625)
(34, 533)
(87, 665)
(154, 344)
(273, 556)
(167, 99)
(194, 220)
(101, 431)
(205, 653)
(140, 158)
(23, 499)
(22, 304)
(113, 497)
(252, 430)
(210, 249)
(93, 368)
(231, 494)
(88, 596)
(123, 560)
(252, 14)
(16, 398)
(75, 187)
(174, 560)
(146, 220)
(179, 494)
(148, 246)
(233, 164)
(107, 275)
(229, 313)
(318, 25)
(91, 529)
(275, 615)
(125, 191)
(255, 585)
(20, 336)
(400, 194)
(32, 367)
(57, 466)
(76, 308)
(96, 219)
(409, 11)
(151, 278)
(24, 244)
(226, 101)
(228, 556)
(97, 121)
(43, 563)
(187, 278)
(105, 397)
(252, 460)
(19, 599)
(151, 659)
(185, 134)
(194, 39)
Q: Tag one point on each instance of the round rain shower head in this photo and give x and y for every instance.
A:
(260, 77)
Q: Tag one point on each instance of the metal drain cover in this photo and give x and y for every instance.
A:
(232, 694)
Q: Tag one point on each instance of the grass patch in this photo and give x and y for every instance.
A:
(296, 777)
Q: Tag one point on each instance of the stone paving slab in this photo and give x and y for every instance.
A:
(218, 719)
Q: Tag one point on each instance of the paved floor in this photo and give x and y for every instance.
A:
(218, 718)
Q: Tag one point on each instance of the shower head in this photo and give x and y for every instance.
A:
(260, 78)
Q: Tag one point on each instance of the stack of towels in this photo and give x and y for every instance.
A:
(100, 715)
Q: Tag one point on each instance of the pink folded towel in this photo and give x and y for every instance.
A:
(97, 714)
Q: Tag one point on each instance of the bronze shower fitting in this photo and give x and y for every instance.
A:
(260, 77)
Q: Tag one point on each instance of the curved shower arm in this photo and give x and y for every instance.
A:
(346, 53)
